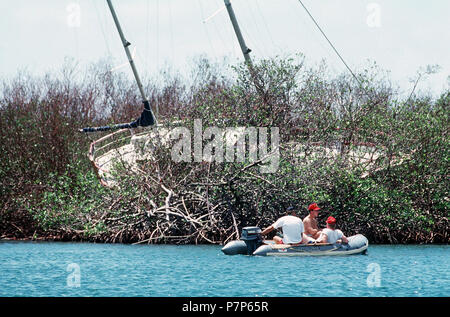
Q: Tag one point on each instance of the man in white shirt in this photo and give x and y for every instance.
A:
(330, 234)
(292, 226)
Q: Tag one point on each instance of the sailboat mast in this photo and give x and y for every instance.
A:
(126, 44)
(245, 50)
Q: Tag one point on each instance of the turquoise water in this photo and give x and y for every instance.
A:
(81, 269)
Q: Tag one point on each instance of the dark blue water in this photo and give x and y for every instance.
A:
(81, 269)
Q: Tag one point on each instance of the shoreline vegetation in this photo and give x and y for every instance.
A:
(399, 193)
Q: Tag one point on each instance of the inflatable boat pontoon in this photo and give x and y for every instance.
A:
(252, 244)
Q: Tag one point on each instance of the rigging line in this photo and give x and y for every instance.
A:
(157, 35)
(298, 16)
(172, 46)
(147, 26)
(205, 28)
(75, 42)
(228, 33)
(214, 14)
(265, 23)
(329, 42)
(76, 37)
(256, 24)
(102, 28)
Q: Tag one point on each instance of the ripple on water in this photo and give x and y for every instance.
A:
(41, 269)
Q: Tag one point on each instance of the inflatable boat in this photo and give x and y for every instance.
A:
(251, 243)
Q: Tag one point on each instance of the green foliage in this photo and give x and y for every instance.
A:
(66, 201)
(377, 162)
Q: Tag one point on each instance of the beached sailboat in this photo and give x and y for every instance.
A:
(127, 145)
(104, 152)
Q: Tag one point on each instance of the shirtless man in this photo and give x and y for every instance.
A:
(310, 222)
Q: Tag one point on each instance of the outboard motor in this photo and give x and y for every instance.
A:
(252, 238)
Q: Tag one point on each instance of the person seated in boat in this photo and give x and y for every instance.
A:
(330, 234)
(310, 222)
(292, 227)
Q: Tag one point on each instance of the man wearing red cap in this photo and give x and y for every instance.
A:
(310, 222)
(330, 234)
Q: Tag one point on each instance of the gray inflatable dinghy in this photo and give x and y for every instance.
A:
(252, 244)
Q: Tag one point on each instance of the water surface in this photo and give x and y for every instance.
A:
(83, 269)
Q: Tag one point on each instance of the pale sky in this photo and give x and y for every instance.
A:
(400, 35)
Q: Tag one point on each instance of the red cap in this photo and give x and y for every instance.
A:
(331, 220)
(313, 207)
